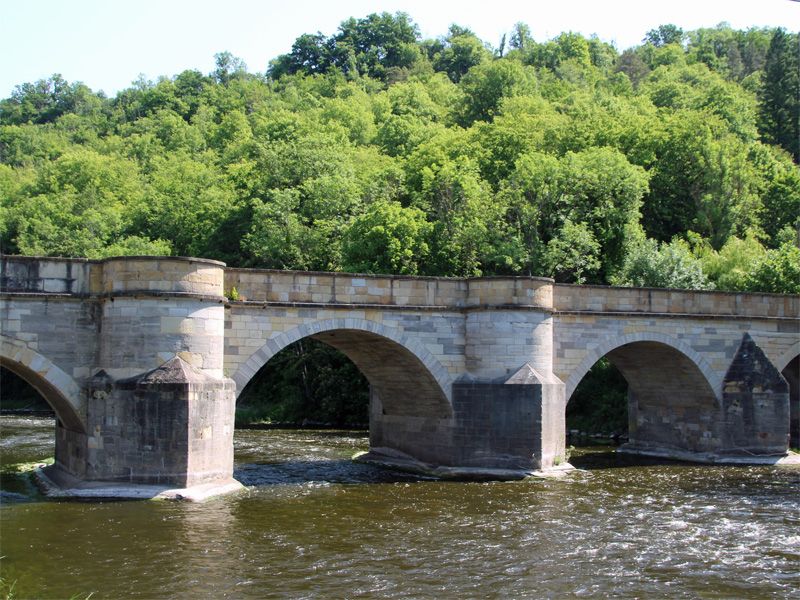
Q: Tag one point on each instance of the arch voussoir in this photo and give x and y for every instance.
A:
(423, 357)
(787, 357)
(602, 349)
(58, 388)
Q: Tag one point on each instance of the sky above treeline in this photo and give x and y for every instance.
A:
(108, 44)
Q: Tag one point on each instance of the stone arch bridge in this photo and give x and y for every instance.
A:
(142, 358)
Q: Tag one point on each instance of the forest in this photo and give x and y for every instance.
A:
(670, 164)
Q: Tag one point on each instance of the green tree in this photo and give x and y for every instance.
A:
(597, 188)
(778, 186)
(459, 52)
(731, 267)
(469, 234)
(779, 99)
(46, 100)
(521, 37)
(664, 34)
(573, 252)
(377, 46)
(731, 53)
(387, 238)
(566, 47)
(487, 84)
(672, 265)
(311, 53)
(79, 205)
(280, 238)
(186, 202)
(695, 87)
(228, 67)
(778, 272)
(601, 188)
(630, 62)
(703, 181)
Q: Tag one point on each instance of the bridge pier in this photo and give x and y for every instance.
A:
(498, 430)
(159, 413)
(507, 412)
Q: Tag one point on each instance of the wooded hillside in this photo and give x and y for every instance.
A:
(674, 163)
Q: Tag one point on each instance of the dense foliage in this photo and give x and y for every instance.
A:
(673, 163)
(307, 384)
(600, 402)
(374, 150)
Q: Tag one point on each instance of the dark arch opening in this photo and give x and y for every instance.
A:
(792, 375)
(597, 411)
(408, 406)
(670, 403)
(64, 411)
(308, 383)
(27, 432)
(398, 377)
(19, 396)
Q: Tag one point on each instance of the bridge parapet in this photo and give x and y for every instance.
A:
(145, 274)
(300, 287)
(534, 292)
(259, 285)
(36, 275)
(603, 299)
(111, 276)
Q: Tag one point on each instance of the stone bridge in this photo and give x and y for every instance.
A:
(142, 359)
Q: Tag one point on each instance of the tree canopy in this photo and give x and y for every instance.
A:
(673, 163)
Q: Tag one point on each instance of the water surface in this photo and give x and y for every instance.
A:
(313, 524)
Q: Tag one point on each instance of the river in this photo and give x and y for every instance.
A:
(313, 524)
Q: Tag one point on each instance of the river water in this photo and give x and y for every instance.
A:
(312, 524)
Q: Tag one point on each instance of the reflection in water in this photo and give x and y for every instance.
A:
(311, 523)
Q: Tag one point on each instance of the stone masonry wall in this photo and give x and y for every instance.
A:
(250, 327)
(63, 329)
(64, 319)
(580, 339)
(348, 289)
(593, 298)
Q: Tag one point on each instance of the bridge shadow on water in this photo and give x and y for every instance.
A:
(321, 472)
(345, 471)
(602, 458)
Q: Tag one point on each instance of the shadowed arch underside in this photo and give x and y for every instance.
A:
(671, 403)
(406, 378)
(791, 373)
(402, 382)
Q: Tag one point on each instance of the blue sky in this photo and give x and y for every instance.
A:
(107, 44)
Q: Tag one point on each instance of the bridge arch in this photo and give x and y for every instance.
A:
(56, 387)
(406, 376)
(789, 366)
(713, 379)
(674, 397)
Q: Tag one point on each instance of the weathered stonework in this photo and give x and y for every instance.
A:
(466, 373)
(755, 402)
(511, 426)
(172, 425)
